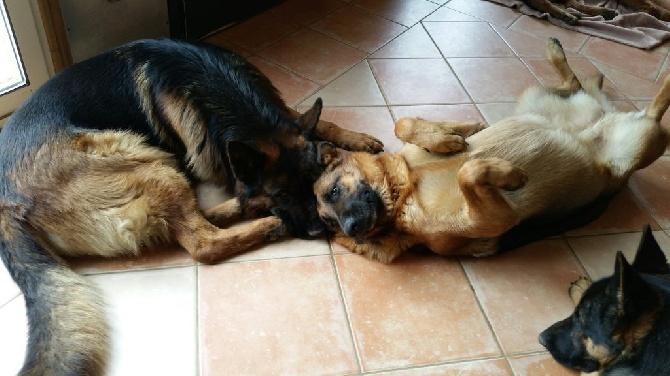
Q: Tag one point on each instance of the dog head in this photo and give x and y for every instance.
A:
(347, 193)
(282, 168)
(613, 315)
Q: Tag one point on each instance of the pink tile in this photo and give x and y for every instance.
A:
(487, 11)
(493, 79)
(414, 43)
(448, 14)
(524, 291)
(456, 112)
(401, 316)
(418, 81)
(376, 121)
(623, 214)
(477, 368)
(597, 253)
(219, 41)
(633, 87)
(404, 12)
(543, 30)
(525, 45)
(356, 87)
(313, 55)
(358, 28)
(273, 317)
(467, 39)
(259, 32)
(645, 64)
(652, 188)
(305, 12)
(542, 364)
(292, 87)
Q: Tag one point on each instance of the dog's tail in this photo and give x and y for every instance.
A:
(661, 102)
(67, 327)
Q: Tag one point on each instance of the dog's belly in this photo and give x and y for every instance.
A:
(562, 172)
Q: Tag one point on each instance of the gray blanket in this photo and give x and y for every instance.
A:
(631, 28)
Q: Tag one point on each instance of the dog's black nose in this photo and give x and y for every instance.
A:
(354, 226)
(543, 338)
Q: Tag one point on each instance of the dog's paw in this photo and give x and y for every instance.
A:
(363, 142)
(577, 288)
(276, 233)
(505, 175)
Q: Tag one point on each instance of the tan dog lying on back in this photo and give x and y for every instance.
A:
(566, 147)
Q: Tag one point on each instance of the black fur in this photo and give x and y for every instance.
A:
(124, 89)
(626, 314)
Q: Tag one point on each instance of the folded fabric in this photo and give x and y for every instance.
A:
(629, 27)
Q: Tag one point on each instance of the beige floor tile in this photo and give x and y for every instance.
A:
(524, 291)
(417, 310)
(650, 186)
(273, 317)
(485, 10)
(356, 87)
(404, 12)
(510, 75)
(467, 39)
(153, 321)
(539, 365)
(496, 367)
(399, 80)
(8, 289)
(415, 43)
(293, 88)
(14, 338)
(598, 253)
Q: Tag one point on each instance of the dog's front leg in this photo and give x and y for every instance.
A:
(234, 210)
(488, 212)
(208, 244)
(344, 138)
(440, 137)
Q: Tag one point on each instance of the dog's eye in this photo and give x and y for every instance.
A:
(334, 191)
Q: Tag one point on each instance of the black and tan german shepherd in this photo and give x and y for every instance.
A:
(621, 324)
(101, 159)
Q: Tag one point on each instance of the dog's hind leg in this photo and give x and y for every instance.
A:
(569, 82)
(440, 137)
(488, 212)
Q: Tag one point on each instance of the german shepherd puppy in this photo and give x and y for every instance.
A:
(656, 8)
(100, 161)
(567, 147)
(621, 323)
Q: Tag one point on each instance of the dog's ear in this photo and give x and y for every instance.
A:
(634, 295)
(310, 119)
(246, 161)
(649, 257)
(328, 154)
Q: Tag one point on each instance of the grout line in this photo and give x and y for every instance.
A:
(481, 309)
(346, 308)
(10, 299)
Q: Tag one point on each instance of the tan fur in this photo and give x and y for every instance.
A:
(561, 150)
(115, 195)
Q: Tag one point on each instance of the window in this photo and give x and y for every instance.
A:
(22, 64)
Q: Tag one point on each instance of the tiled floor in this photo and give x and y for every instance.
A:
(309, 307)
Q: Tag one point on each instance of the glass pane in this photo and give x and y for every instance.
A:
(12, 75)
